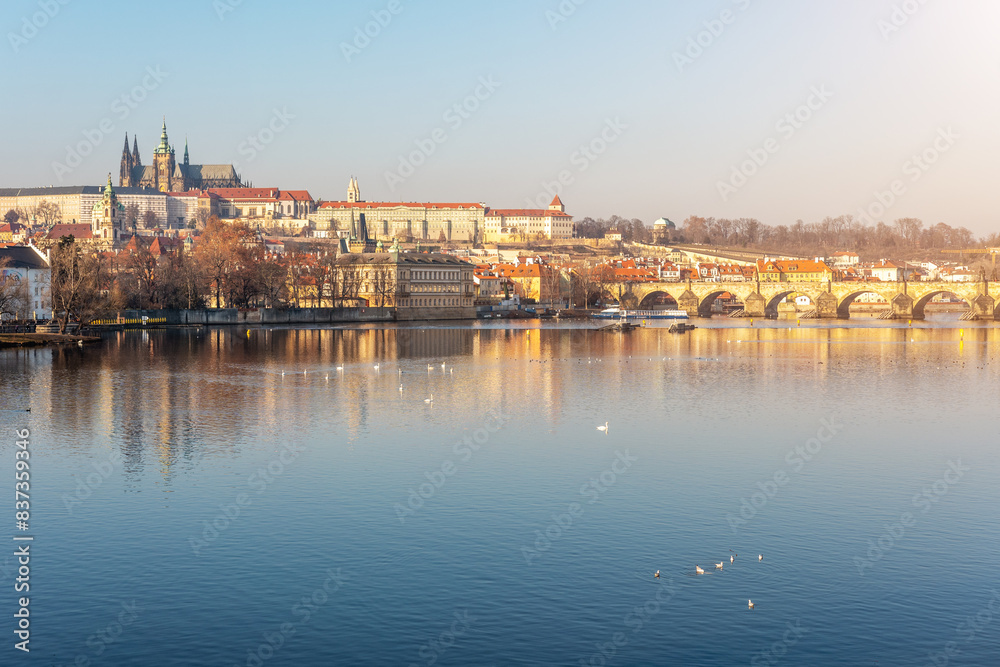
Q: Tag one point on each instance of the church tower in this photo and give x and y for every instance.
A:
(353, 191)
(557, 205)
(125, 171)
(108, 218)
(164, 163)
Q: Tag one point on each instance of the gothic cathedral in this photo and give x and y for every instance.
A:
(166, 175)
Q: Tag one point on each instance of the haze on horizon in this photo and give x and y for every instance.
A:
(887, 79)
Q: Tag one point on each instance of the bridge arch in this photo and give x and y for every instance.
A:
(920, 303)
(844, 305)
(647, 298)
(708, 298)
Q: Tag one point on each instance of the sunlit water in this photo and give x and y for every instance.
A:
(250, 504)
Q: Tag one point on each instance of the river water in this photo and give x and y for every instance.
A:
(229, 497)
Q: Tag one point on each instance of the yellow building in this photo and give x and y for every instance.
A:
(793, 271)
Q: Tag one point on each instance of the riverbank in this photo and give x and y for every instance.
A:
(43, 339)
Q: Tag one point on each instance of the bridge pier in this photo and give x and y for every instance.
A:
(689, 302)
(755, 305)
(902, 308)
(983, 307)
(826, 306)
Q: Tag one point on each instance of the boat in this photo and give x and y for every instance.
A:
(681, 327)
(619, 314)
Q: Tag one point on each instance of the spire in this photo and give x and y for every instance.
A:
(136, 161)
(185, 150)
(164, 146)
(108, 190)
(125, 170)
(125, 150)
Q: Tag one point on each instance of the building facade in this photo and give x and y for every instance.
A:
(418, 285)
(28, 268)
(404, 221)
(512, 225)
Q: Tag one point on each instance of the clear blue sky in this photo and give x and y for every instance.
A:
(560, 83)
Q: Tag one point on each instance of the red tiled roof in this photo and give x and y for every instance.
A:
(245, 193)
(295, 195)
(525, 213)
(77, 231)
(380, 204)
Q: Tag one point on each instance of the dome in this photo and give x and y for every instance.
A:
(664, 222)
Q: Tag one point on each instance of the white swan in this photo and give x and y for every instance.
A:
(750, 604)
(603, 428)
(760, 557)
(429, 400)
(718, 566)
(327, 377)
(731, 559)
(698, 570)
(376, 367)
(340, 368)
(429, 367)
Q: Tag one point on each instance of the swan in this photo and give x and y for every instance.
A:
(327, 377)
(760, 557)
(603, 428)
(750, 604)
(731, 559)
(376, 367)
(429, 400)
(698, 570)
(340, 368)
(442, 365)
(429, 367)
(657, 575)
(718, 566)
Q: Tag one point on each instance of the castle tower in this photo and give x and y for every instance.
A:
(164, 163)
(557, 205)
(353, 191)
(125, 171)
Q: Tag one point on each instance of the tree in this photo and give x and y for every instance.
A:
(81, 284)
(217, 254)
(383, 284)
(149, 220)
(10, 217)
(48, 212)
(132, 216)
(14, 297)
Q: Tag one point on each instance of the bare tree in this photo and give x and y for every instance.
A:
(383, 284)
(149, 220)
(14, 297)
(81, 285)
(132, 216)
(48, 212)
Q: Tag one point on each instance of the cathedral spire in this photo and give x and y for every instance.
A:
(164, 146)
(125, 170)
(136, 160)
(185, 150)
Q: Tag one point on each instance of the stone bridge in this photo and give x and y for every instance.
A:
(831, 300)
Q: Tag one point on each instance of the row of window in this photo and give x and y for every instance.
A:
(436, 302)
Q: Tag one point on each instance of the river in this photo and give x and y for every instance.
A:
(230, 497)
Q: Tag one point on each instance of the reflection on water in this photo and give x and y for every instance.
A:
(425, 509)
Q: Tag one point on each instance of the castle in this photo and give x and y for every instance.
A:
(166, 175)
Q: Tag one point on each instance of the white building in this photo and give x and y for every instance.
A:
(528, 224)
(29, 266)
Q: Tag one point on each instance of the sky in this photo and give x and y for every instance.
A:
(780, 110)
